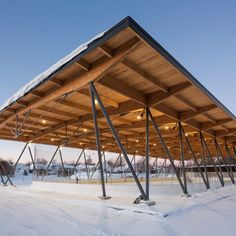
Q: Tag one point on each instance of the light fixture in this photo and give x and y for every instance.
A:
(44, 121)
(52, 139)
(80, 144)
(136, 151)
(166, 127)
(85, 130)
(154, 145)
(136, 141)
(96, 102)
(103, 146)
(139, 117)
(186, 134)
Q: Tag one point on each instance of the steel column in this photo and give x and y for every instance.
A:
(105, 165)
(114, 165)
(14, 167)
(182, 154)
(86, 167)
(115, 134)
(168, 153)
(219, 152)
(8, 177)
(62, 163)
(229, 154)
(204, 161)
(210, 156)
(54, 154)
(195, 159)
(98, 144)
(76, 163)
(31, 157)
(95, 168)
(147, 153)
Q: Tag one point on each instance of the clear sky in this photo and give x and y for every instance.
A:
(201, 35)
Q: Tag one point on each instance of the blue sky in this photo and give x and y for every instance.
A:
(201, 35)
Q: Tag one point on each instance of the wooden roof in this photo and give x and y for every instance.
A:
(130, 71)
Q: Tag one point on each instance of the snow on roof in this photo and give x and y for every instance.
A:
(45, 75)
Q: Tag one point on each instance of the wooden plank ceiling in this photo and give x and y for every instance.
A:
(129, 74)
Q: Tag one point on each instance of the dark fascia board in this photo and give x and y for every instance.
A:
(154, 44)
(129, 22)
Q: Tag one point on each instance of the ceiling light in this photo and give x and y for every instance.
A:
(139, 117)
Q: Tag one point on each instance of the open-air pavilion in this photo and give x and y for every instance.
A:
(122, 92)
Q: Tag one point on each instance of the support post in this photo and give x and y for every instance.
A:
(131, 163)
(31, 157)
(195, 159)
(98, 144)
(147, 153)
(204, 161)
(54, 154)
(5, 172)
(105, 165)
(96, 166)
(219, 153)
(115, 165)
(115, 134)
(14, 167)
(210, 156)
(182, 154)
(168, 154)
(62, 163)
(76, 163)
(231, 157)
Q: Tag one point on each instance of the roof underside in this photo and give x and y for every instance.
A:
(130, 71)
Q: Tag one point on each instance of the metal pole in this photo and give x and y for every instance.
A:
(95, 168)
(5, 171)
(218, 160)
(62, 163)
(221, 154)
(131, 163)
(98, 141)
(14, 167)
(76, 163)
(209, 155)
(147, 154)
(182, 154)
(141, 167)
(86, 167)
(115, 134)
(105, 165)
(114, 165)
(31, 157)
(229, 154)
(162, 167)
(168, 154)
(58, 147)
(204, 161)
(195, 159)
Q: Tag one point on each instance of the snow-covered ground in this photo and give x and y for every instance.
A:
(25, 211)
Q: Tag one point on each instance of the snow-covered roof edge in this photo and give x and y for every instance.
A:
(46, 74)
